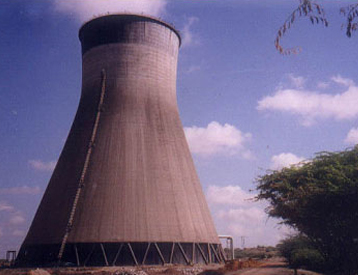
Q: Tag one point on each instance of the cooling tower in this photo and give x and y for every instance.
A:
(124, 190)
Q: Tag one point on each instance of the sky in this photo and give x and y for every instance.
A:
(245, 108)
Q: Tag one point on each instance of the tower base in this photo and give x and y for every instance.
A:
(120, 254)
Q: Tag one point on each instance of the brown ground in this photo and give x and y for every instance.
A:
(161, 270)
(268, 267)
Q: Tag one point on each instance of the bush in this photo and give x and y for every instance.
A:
(300, 253)
(318, 198)
(307, 258)
(260, 252)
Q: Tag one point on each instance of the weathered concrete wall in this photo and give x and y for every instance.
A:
(141, 184)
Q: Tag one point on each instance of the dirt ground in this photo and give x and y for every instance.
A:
(274, 266)
(161, 270)
(268, 267)
(271, 268)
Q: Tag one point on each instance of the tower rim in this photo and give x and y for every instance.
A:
(128, 15)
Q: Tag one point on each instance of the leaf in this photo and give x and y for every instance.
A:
(307, 8)
(319, 199)
(351, 13)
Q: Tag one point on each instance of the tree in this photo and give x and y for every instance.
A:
(319, 198)
(300, 253)
(315, 13)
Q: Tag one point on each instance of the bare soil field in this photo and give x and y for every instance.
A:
(268, 267)
(271, 268)
(162, 270)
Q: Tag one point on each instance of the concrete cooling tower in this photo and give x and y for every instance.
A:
(125, 190)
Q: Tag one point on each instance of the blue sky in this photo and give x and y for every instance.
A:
(245, 108)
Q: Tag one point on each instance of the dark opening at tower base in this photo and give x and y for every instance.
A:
(121, 254)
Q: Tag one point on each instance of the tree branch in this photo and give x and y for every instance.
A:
(307, 9)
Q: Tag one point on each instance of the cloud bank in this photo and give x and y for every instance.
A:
(217, 139)
(12, 223)
(20, 190)
(17, 220)
(352, 136)
(4, 206)
(232, 195)
(284, 160)
(85, 10)
(311, 106)
(343, 81)
(41, 165)
(297, 81)
(236, 214)
(188, 38)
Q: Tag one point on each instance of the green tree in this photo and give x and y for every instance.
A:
(320, 199)
(300, 253)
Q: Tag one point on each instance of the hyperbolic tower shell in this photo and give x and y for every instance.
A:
(125, 189)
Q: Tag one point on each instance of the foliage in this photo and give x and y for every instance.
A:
(259, 252)
(351, 12)
(307, 258)
(307, 9)
(315, 13)
(300, 253)
(319, 199)
(4, 263)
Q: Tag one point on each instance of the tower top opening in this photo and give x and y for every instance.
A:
(108, 28)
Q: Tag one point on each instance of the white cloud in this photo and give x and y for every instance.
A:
(236, 214)
(343, 81)
(244, 221)
(192, 69)
(187, 36)
(243, 215)
(5, 207)
(20, 190)
(284, 160)
(338, 79)
(17, 219)
(217, 139)
(230, 195)
(322, 85)
(310, 106)
(18, 233)
(352, 136)
(297, 81)
(42, 166)
(87, 9)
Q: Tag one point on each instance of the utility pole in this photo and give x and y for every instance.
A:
(243, 240)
